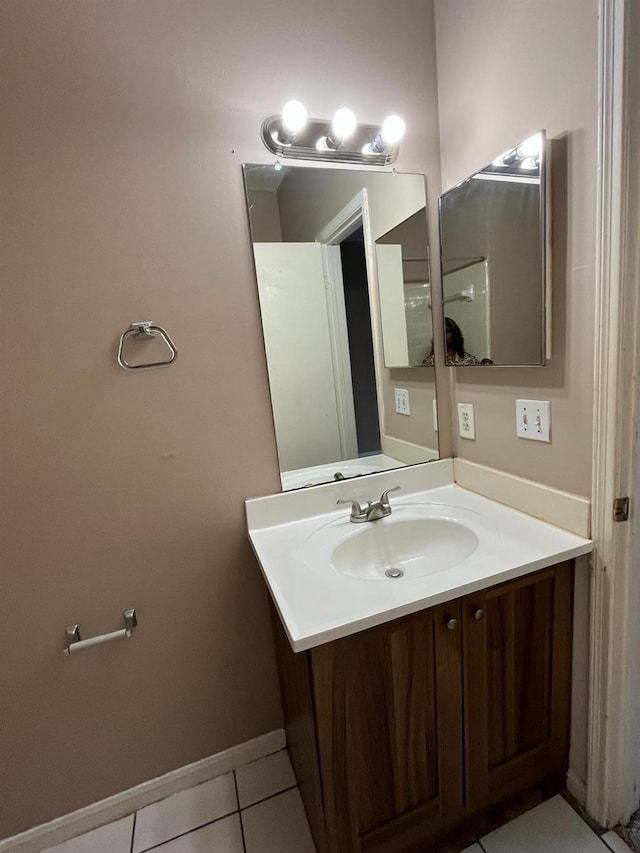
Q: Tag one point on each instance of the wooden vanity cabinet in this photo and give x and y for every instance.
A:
(402, 731)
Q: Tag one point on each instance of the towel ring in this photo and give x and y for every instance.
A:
(148, 330)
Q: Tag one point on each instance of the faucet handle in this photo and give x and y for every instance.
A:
(356, 510)
(384, 498)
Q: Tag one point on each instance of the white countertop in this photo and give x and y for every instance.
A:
(317, 604)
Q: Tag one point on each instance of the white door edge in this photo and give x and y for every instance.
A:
(614, 695)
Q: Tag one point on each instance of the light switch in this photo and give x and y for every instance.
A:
(533, 419)
(466, 421)
(402, 401)
(435, 416)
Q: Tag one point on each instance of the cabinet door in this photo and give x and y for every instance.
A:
(389, 729)
(517, 682)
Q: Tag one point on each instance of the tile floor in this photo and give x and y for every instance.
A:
(257, 809)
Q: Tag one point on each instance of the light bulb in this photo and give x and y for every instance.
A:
(392, 130)
(343, 124)
(530, 147)
(294, 116)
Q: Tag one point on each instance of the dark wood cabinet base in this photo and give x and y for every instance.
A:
(417, 733)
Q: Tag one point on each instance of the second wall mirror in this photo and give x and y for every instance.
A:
(341, 260)
(494, 259)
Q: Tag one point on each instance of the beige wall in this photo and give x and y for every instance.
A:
(124, 127)
(505, 70)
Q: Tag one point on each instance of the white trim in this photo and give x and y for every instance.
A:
(407, 451)
(571, 512)
(112, 808)
(614, 707)
(352, 215)
(374, 302)
(344, 223)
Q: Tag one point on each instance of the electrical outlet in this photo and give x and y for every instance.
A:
(402, 401)
(435, 416)
(533, 419)
(466, 421)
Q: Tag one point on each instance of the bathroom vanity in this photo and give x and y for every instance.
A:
(424, 658)
(400, 732)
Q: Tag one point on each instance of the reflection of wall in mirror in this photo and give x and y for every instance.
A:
(310, 198)
(496, 216)
(265, 216)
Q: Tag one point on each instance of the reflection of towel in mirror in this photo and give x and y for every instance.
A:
(454, 359)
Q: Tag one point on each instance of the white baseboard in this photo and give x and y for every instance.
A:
(576, 787)
(119, 805)
(407, 451)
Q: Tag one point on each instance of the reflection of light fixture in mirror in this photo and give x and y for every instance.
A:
(522, 160)
(343, 140)
(391, 133)
(530, 147)
(342, 127)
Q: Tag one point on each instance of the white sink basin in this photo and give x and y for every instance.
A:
(327, 575)
(414, 541)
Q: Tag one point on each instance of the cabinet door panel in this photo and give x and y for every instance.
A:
(517, 681)
(381, 740)
(519, 669)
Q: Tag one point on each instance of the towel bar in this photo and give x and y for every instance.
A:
(75, 644)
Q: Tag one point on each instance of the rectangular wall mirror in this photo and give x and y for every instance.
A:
(494, 251)
(341, 260)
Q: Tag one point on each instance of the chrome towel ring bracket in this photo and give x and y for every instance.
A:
(145, 330)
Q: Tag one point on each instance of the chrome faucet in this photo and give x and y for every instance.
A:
(373, 510)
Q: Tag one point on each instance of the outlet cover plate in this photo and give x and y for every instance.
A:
(402, 401)
(533, 420)
(466, 421)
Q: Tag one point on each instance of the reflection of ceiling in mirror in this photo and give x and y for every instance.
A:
(264, 177)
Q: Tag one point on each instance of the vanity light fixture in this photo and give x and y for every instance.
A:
(342, 140)
(293, 119)
(342, 126)
(391, 133)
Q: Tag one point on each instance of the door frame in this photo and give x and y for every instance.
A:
(352, 216)
(613, 764)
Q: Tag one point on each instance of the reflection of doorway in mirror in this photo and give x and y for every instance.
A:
(359, 333)
(302, 221)
(466, 302)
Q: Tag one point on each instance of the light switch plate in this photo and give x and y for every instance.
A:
(466, 421)
(533, 419)
(402, 401)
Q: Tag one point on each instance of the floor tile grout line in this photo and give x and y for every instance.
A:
(133, 831)
(235, 782)
(270, 797)
(188, 831)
